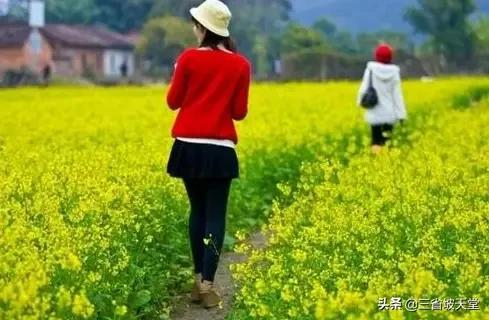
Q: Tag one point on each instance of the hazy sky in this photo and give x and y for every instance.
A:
(3, 7)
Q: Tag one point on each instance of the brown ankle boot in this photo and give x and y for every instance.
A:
(210, 297)
(195, 294)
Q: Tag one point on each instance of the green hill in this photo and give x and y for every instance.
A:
(359, 15)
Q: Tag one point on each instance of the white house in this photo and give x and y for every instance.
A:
(114, 59)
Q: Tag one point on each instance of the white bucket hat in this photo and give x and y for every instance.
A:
(214, 15)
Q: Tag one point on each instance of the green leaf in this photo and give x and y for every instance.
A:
(229, 241)
(139, 299)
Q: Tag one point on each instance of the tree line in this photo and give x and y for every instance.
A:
(265, 31)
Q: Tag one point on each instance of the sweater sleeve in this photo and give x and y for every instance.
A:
(176, 93)
(240, 104)
(399, 105)
(363, 86)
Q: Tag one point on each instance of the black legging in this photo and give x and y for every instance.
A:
(208, 202)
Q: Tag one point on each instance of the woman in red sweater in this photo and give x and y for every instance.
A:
(209, 87)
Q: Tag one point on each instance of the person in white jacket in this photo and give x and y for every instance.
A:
(386, 79)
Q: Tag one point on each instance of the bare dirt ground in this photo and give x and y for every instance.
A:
(186, 310)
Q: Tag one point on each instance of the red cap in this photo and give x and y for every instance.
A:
(384, 53)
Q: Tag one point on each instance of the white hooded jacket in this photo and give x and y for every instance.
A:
(386, 79)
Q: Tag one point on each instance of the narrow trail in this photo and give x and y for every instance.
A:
(186, 310)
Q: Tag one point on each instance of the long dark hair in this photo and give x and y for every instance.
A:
(212, 40)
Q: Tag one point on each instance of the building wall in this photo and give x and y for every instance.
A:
(11, 58)
(78, 61)
(36, 61)
(25, 56)
(66, 61)
(113, 59)
(88, 61)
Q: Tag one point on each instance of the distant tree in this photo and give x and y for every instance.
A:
(164, 38)
(344, 42)
(426, 48)
(340, 40)
(252, 15)
(298, 38)
(361, 45)
(481, 28)
(260, 52)
(121, 15)
(115, 14)
(70, 11)
(326, 27)
(179, 8)
(254, 25)
(366, 42)
(58, 11)
(446, 22)
(258, 16)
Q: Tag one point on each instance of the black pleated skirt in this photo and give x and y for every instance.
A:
(201, 161)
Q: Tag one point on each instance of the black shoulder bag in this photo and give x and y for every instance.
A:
(370, 98)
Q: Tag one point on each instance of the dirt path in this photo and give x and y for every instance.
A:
(185, 310)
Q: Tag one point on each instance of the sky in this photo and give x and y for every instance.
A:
(3, 7)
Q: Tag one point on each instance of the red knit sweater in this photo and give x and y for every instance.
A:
(210, 87)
